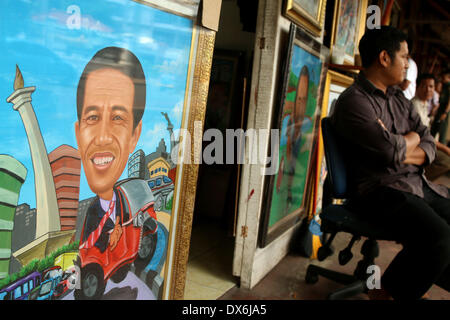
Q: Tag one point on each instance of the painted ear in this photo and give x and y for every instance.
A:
(77, 132)
(135, 136)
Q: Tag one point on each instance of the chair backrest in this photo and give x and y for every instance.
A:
(335, 159)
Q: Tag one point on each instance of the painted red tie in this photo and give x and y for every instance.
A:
(93, 237)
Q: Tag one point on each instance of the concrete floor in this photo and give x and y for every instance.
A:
(287, 280)
(209, 268)
(210, 260)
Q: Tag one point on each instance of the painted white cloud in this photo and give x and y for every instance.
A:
(175, 62)
(158, 83)
(151, 138)
(176, 113)
(146, 40)
(62, 18)
(19, 37)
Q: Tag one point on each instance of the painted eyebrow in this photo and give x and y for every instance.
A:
(90, 108)
(96, 108)
(120, 108)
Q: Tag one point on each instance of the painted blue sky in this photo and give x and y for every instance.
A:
(52, 53)
(301, 57)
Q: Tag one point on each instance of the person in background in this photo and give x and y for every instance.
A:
(409, 83)
(433, 103)
(440, 124)
(424, 92)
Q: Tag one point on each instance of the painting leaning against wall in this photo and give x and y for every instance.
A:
(95, 162)
(296, 120)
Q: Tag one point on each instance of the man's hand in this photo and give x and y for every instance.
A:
(447, 150)
(115, 235)
(414, 154)
(382, 124)
(412, 140)
(442, 147)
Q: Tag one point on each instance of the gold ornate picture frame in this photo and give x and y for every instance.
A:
(335, 84)
(189, 173)
(309, 14)
(348, 28)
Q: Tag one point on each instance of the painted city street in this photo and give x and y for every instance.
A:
(132, 288)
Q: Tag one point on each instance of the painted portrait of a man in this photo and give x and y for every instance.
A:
(110, 104)
(106, 87)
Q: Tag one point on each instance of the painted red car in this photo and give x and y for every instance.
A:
(138, 241)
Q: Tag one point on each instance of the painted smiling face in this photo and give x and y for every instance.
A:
(105, 133)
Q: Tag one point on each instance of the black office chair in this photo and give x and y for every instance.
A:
(338, 216)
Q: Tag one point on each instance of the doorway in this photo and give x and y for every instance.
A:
(209, 269)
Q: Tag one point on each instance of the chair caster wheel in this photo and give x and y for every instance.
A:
(324, 252)
(344, 257)
(311, 278)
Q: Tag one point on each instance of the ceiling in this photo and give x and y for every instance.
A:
(428, 24)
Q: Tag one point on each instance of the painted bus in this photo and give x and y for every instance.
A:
(20, 289)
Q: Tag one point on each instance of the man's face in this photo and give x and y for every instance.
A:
(105, 134)
(399, 65)
(425, 89)
(301, 98)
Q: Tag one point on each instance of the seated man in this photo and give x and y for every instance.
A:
(387, 147)
(424, 92)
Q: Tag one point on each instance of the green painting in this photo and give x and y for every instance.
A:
(297, 127)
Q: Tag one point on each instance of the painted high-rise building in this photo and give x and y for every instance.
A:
(23, 234)
(24, 226)
(83, 207)
(12, 177)
(136, 165)
(65, 162)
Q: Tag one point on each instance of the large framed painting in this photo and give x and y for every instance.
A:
(97, 180)
(335, 84)
(309, 14)
(348, 28)
(296, 117)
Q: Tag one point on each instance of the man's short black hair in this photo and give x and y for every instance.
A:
(122, 60)
(424, 76)
(376, 40)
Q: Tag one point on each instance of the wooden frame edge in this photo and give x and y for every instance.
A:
(203, 62)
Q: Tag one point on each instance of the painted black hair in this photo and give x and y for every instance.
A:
(121, 60)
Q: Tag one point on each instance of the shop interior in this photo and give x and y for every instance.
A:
(209, 269)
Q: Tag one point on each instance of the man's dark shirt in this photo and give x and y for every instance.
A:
(376, 156)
